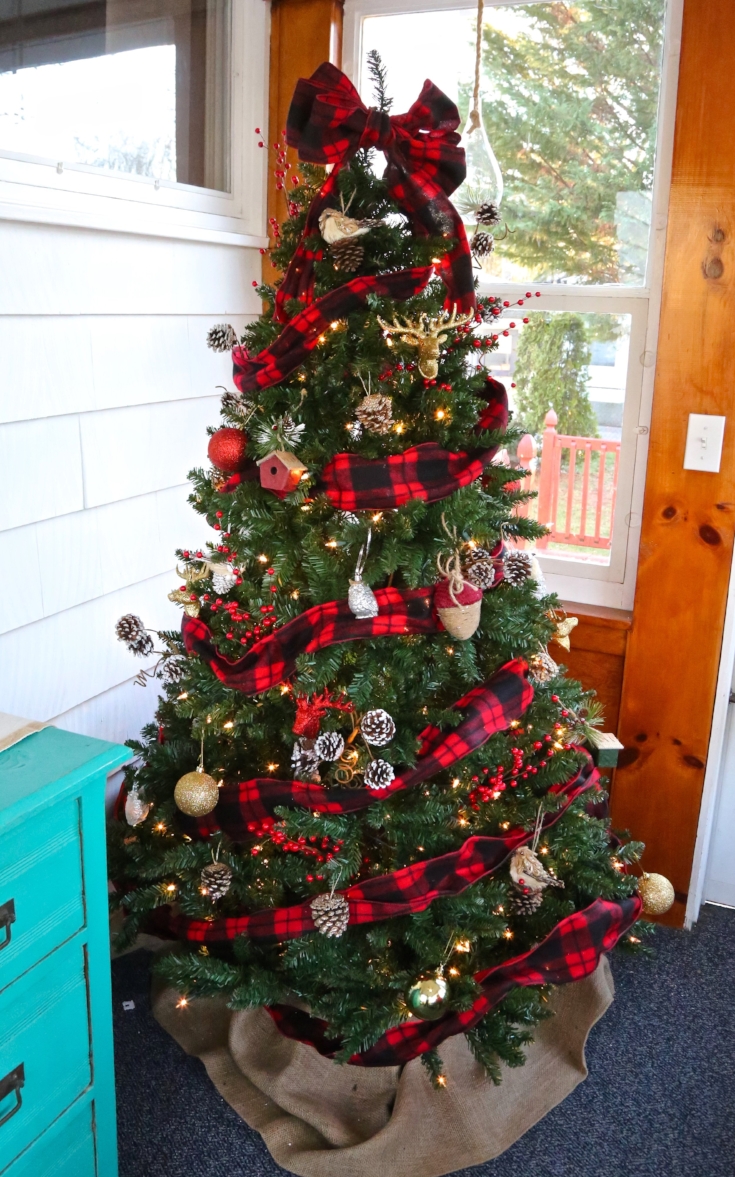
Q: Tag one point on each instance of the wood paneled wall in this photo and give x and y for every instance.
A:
(597, 656)
(689, 517)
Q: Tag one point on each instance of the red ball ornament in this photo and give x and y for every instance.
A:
(226, 450)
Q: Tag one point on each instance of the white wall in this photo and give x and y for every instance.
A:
(106, 389)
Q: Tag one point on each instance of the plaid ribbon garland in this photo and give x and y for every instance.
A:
(302, 334)
(328, 123)
(487, 709)
(570, 952)
(403, 892)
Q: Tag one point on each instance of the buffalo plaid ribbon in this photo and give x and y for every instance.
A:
(273, 658)
(328, 123)
(570, 952)
(425, 471)
(403, 892)
(486, 709)
(302, 334)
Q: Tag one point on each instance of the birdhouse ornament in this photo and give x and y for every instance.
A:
(281, 472)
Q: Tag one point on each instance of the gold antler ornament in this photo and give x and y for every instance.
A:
(183, 596)
(427, 334)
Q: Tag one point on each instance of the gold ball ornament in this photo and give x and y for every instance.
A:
(427, 998)
(196, 793)
(657, 894)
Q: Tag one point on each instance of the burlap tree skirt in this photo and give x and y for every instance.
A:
(320, 1119)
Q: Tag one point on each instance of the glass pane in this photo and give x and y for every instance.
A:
(137, 86)
(569, 101)
(566, 374)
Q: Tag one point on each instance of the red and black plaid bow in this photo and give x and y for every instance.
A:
(302, 334)
(328, 124)
(569, 953)
(402, 892)
(486, 709)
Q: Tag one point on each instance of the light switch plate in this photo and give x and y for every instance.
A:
(704, 442)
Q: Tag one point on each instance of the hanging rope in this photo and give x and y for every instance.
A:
(473, 121)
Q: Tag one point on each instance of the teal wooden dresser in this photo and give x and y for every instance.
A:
(57, 1095)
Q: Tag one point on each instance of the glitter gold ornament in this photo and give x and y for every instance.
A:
(542, 667)
(427, 998)
(428, 335)
(657, 894)
(564, 627)
(196, 793)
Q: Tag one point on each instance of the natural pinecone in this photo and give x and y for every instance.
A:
(378, 727)
(304, 763)
(375, 412)
(216, 879)
(130, 629)
(488, 213)
(221, 337)
(517, 567)
(173, 669)
(482, 244)
(379, 774)
(331, 914)
(480, 568)
(347, 254)
(542, 667)
(329, 746)
(524, 901)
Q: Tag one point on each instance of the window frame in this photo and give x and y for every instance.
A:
(611, 585)
(44, 191)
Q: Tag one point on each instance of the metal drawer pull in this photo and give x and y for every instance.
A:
(13, 1081)
(7, 917)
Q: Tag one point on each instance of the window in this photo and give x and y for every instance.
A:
(134, 100)
(577, 102)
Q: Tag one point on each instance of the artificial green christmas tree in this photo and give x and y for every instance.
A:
(367, 791)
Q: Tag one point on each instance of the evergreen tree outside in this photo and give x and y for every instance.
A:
(571, 98)
(288, 554)
(552, 371)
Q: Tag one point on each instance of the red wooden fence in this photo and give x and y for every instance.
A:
(576, 482)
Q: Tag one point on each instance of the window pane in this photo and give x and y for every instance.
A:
(566, 374)
(137, 86)
(570, 96)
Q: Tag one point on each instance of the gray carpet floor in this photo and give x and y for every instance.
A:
(659, 1100)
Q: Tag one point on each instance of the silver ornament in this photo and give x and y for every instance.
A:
(360, 597)
(136, 809)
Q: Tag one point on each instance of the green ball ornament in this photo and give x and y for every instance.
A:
(427, 998)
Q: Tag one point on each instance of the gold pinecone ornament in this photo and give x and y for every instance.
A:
(542, 667)
(375, 413)
(331, 914)
(657, 894)
(216, 879)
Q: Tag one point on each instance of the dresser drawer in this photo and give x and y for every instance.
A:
(44, 1025)
(41, 891)
(66, 1150)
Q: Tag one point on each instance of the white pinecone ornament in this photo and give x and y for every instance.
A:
(133, 633)
(216, 879)
(304, 763)
(479, 568)
(221, 337)
(331, 914)
(375, 413)
(378, 727)
(223, 578)
(329, 746)
(379, 774)
(517, 567)
(542, 667)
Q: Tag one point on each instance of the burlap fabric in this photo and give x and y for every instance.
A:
(320, 1119)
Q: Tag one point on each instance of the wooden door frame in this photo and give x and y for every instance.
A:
(672, 655)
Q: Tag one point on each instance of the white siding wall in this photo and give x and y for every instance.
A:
(106, 389)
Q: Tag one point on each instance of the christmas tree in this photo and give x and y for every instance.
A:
(367, 791)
